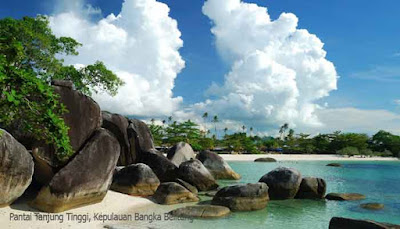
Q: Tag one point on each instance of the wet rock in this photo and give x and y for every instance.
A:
(312, 188)
(180, 152)
(85, 179)
(283, 183)
(165, 170)
(217, 166)
(173, 193)
(16, 169)
(196, 174)
(265, 159)
(346, 223)
(373, 206)
(344, 196)
(334, 165)
(201, 211)
(247, 197)
(140, 140)
(188, 186)
(135, 180)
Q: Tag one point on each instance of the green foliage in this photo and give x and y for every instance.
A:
(28, 62)
(350, 151)
(239, 142)
(385, 141)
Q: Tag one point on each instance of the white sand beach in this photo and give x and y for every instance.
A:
(302, 157)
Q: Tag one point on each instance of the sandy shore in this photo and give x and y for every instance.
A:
(114, 202)
(302, 157)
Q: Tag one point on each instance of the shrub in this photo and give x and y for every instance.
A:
(350, 151)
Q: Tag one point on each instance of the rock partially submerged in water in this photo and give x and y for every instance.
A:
(312, 188)
(173, 193)
(344, 196)
(188, 186)
(180, 153)
(85, 179)
(196, 174)
(334, 165)
(135, 180)
(245, 197)
(217, 166)
(373, 206)
(201, 211)
(283, 183)
(265, 159)
(16, 169)
(346, 223)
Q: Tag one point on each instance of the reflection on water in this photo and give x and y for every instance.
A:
(379, 181)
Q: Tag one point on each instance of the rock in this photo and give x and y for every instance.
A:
(201, 211)
(312, 188)
(165, 170)
(118, 125)
(283, 183)
(346, 223)
(373, 206)
(265, 159)
(188, 186)
(217, 166)
(83, 116)
(63, 83)
(334, 165)
(245, 197)
(180, 152)
(344, 196)
(196, 174)
(16, 169)
(140, 139)
(85, 179)
(135, 180)
(173, 193)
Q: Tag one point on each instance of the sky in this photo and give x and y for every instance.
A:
(318, 65)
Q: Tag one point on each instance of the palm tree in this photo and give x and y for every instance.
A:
(244, 128)
(163, 122)
(251, 131)
(152, 121)
(283, 129)
(215, 120)
(169, 119)
(225, 130)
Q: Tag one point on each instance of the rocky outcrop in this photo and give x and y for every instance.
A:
(334, 165)
(373, 206)
(247, 197)
(135, 180)
(346, 223)
(16, 169)
(165, 170)
(312, 188)
(265, 159)
(85, 179)
(217, 166)
(118, 125)
(196, 174)
(201, 211)
(188, 186)
(344, 196)
(180, 152)
(283, 183)
(140, 140)
(173, 193)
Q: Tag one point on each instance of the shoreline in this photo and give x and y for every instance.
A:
(302, 157)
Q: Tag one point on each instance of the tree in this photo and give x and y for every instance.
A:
(385, 141)
(251, 131)
(244, 128)
(282, 130)
(226, 130)
(215, 120)
(28, 62)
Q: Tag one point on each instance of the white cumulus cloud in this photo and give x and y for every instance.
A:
(141, 45)
(278, 71)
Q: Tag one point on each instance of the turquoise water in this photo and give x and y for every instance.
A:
(379, 181)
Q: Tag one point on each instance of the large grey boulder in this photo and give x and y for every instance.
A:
(346, 223)
(217, 166)
(180, 152)
(118, 125)
(135, 180)
(283, 183)
(196, 174)
(201, 211)
(16, 169)
(344, 196)
(165, 170)
(245, 197)
(140, 140)
(85, 179)
(173, 193)
(312, 188)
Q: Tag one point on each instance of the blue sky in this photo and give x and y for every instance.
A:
(362, 39)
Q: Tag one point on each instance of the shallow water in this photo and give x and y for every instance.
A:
(379, 181)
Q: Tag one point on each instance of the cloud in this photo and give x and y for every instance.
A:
(278, 71)
(379, 73)
(141, 45)
(397, 54)
(396, 101)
